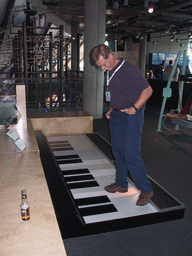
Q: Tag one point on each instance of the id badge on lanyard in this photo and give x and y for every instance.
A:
(107, 92)
(107, 95)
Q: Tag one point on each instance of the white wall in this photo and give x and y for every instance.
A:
(131, 53)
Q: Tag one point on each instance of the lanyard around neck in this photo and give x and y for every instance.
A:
(109, 79)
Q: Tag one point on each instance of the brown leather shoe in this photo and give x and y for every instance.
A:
(144, 198)
(114, 188)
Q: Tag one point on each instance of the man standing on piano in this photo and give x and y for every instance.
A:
(127, 91)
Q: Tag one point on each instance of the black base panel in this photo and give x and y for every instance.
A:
(70, 221)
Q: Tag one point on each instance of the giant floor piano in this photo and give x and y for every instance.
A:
(77, 170)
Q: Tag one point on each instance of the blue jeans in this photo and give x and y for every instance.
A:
(126, 147)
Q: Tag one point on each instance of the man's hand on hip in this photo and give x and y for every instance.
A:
(108, 114)
(129, 111)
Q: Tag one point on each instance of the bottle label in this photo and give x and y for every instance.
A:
(25, 213)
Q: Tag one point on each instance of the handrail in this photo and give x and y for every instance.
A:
(167, 92)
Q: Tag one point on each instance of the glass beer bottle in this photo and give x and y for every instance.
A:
(25, 208)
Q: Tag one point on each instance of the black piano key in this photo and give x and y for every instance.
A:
(85, 184)
(70, 161)
(59, 142)
(92, 200)
(67, 157)
(61, 146)
(75, 171)
(79, 178)
(99, 209)
(62, 149)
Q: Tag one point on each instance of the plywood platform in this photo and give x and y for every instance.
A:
(57, 123)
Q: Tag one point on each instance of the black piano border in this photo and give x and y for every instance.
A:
(69, 219)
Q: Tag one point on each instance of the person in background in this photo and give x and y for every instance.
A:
(128, 90)
(162, 69)
(168, 69)
(54, 101)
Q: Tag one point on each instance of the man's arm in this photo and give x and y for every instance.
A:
(108, 114)
(144, 96)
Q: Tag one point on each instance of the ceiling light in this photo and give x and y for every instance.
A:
(150, 9)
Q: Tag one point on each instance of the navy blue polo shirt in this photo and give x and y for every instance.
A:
(126, 85)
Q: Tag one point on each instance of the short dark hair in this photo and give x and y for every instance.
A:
(98, 50)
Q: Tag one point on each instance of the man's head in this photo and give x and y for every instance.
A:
(170, 62)
(103, 57)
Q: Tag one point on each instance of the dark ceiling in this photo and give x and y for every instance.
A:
(129, 18)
